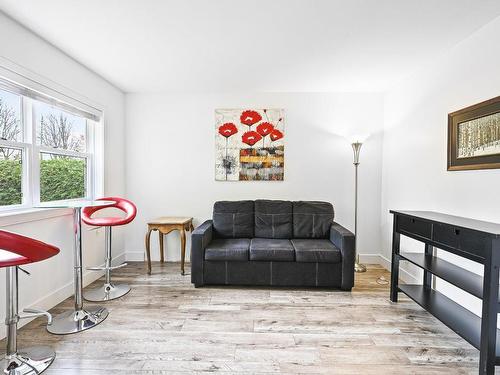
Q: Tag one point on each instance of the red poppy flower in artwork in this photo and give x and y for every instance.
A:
(251, 138)
(275, 135)
(250, 117)
(228, 129)
(265, 128)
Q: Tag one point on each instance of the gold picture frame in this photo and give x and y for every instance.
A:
(474, 137)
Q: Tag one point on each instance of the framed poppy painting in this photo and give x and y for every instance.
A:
(249, 144)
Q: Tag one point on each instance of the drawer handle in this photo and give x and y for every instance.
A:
(412, 220)
(457, 232)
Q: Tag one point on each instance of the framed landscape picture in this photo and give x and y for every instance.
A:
(249, 144)
(474, 137)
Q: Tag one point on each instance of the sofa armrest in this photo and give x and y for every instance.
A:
(200, 238)
(345, 241)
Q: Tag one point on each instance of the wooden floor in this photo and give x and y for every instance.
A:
(165, 326)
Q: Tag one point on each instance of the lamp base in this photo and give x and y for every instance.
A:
(358, 267)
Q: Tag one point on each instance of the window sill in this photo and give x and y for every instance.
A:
(27, 215)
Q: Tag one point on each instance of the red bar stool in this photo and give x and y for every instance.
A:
(16, 250)
(109, 290)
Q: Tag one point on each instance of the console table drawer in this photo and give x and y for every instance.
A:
(414, 226)
(463, 239)
(446, 235)
(474, 243)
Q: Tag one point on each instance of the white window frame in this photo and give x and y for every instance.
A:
(31, 151)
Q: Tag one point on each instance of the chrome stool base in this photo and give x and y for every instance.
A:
(29, 361)
(77, 321)
(106, 292)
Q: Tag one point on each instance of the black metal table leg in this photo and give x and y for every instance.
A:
(490, 309)
(427, 274)
(395, 262)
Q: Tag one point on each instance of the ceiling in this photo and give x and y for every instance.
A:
(253, 45)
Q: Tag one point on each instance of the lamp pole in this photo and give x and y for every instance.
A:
(356, 147)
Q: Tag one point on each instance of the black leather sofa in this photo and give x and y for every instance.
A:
(274, 243)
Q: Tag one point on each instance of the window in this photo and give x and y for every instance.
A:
(54, 188)
(58, 129)
(47, 149)
(11, 176)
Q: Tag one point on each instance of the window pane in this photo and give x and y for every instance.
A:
(59, 129)
(11, 176)
(10, 117)
(62, 177)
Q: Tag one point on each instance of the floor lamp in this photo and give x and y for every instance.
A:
(356, 147)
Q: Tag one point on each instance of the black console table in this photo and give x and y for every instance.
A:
(472, 239)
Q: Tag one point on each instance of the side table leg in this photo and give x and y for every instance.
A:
(162, 257)
(148, 250)
(191, 229)
(183, 249)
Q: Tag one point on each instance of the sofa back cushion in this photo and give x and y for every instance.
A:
(233, 219)
(312, 219)
(273, 219)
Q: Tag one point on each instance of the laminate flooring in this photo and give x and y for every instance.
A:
(166, 326)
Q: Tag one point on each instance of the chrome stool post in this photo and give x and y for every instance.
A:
(28, 361)
(108, 291)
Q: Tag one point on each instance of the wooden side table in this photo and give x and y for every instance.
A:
(165, 225)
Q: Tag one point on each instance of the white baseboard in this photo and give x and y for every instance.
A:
(370, 259)
(56, 297)
(135, 256)
(404, 275)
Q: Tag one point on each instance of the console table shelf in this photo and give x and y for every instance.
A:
(461, 278)
(457, 318)
(475, 240)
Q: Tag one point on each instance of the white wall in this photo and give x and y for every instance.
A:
(168, 168)
(30, 56)
(415, 140)
(170, 158)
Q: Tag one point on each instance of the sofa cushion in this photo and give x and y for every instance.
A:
(274, 250)
(316, 251)
(233, 249)
(233, 219)
(273, 219)
(312, 219)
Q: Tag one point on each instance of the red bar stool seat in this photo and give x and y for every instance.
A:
(15, 251)
(109, 290)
